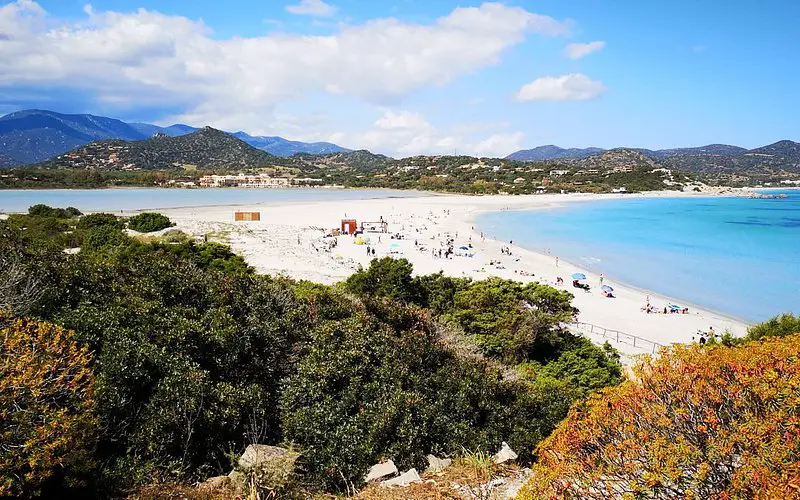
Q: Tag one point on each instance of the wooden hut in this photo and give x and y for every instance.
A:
(247, 216)
(349, 226)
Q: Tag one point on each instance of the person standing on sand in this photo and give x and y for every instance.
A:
(556, 260)
(601, 279)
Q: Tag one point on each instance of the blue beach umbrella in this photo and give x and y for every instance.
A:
(606, 288)
(578, 276)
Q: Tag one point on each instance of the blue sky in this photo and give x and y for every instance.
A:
(407, 77)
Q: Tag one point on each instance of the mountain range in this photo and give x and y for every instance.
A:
(34, 135)
(785, 149)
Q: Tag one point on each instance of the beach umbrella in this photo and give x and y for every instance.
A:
(606, 288)
(578, 276)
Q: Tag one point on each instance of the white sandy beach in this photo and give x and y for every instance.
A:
(289, 240)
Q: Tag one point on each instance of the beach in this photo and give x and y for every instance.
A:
(290, 240)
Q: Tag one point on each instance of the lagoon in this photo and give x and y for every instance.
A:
(115, 200)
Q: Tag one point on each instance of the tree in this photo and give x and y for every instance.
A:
(148, 222)
(46, 404)
(698, 422)
(385, 277)
(779, 326)
(513, 321)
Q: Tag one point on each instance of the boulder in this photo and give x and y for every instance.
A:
(260, 454)
(381, 470)
(404, 479)
(215, 483)
(506, 454)
(436, 464)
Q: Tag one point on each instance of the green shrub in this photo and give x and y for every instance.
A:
(92, 221)
(369, 388)
(779, 326)
(42, 210)
(148, 222)
(104, 237)
(385, 277)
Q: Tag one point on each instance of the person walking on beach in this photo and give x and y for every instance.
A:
(601, 279)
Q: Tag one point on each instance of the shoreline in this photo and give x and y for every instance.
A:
(290, 240)
(589, 273)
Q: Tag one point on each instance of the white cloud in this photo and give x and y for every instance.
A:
(311, 8)
(581, 50)
(148, 58)
(499, 145)
(572, 87)
(401, 133)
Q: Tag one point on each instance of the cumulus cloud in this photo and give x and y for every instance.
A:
(402, 133)
(311, 8)
(145, 57)
(581, 50)
(499, 145)
(572, 87)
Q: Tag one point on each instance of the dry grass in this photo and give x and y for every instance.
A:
(179, 492)
(421, 491)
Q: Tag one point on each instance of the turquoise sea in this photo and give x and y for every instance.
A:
(737, 256)
(114, 200)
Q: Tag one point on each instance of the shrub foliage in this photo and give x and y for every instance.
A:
(47, 426)
(715, 422)
(147, 222)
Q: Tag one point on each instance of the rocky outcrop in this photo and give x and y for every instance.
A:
(260, 454)
(404, 479)
(380, 471)
(506, 454)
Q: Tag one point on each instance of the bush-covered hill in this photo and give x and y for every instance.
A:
(208, 149)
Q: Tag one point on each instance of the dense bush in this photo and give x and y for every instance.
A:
(47, 427)
(385, 277)
(381, 384)
(513, 321)
(41, 210)
(189, 358)
(92, 221)
(713, 422)
(147, 222)
(779, 326)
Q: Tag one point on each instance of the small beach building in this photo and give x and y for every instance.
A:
(247, 216)
(380, 226)
(349, 226)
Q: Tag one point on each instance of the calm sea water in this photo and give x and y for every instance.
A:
(112, 200)
(734, 255)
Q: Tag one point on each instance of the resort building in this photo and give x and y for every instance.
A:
(254, 181)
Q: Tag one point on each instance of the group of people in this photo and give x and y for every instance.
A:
(704, 337)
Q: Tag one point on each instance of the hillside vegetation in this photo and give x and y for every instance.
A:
(194, 357)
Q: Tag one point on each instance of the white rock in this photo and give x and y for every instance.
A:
(506, 454)
(408, 477)
(436, 464)
(381, 470)
(258, 454)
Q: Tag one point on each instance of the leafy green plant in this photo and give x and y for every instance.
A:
(148, 222)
